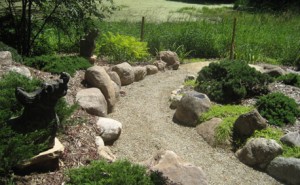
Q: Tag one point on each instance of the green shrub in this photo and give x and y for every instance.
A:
(122, 48)
(231, 81)
(15, 55)
(278, 109)
(57, 64)
(103, 173)
(290, 79)
(21, 145)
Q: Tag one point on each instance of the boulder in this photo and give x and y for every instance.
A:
(93, 59)
(110, 129)
(272, 70)
(151, 69)
(161, 65)
(259, 152)
(208, 133)
(190, 107)
(139, 73)
(169, 57)
(247, 123)
(117, 90)
(291, 139)
(92, 101)
(189, 77)
(115, 77)
(5, 58)
(43, 162)
(125, 72)
(96, 76)
(21, 70)
(175, 169)
(285, 169)
(176, 65)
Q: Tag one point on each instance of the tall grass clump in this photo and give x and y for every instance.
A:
(260, 37)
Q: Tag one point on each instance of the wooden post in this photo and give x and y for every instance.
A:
(233, 40)
(142, 28)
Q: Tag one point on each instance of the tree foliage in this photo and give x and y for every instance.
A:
(24, 20)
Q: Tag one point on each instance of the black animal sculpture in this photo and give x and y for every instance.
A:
(39, 110)
(87, 44)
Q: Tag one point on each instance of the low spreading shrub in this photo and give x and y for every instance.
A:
(290, 79)
(122, 48)
(20, 145)
(102, 173)
(278, 109)
(57, 64)
(231, 81)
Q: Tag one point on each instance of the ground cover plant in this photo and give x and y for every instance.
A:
(229, 114)
(57, 64)
(290, 79)
(231, 81)
(119, 172)
(278, 109)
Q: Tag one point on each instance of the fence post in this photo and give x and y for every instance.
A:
(142, 28)
(233, 40)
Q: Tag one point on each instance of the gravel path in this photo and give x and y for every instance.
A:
(148, 127)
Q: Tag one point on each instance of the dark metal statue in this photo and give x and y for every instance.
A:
(87, 44)
(39, 110)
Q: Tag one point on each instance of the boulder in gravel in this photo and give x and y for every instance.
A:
(247, 123)
(92, 101)
(125, 72)
(259, 152)
(5, 58)
(169, 57)
(272, 70)
(151, 69)
(115, 77)
(43, 162)
(176, 65)
(207, 130)
(291, 139)
(161, 65)
(190, 107)
(110, 129)
(21, 70)
(285, 169)
(96, 76)
(175, 99)
(117, 90)
(140, 73)
(103, 151)
(175, 169)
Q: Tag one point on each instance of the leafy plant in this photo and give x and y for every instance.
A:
(290, 79)
(190, 83)
(231, 81)
(103, 173)
(57, 64)
(278, 109)
(122, 48)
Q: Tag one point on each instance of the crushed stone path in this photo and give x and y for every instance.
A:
(148, 128)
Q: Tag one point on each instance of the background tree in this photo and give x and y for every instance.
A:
(24, 20)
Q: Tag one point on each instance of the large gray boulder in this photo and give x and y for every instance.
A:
(140, 73)
(259, 152)
(291, 139)
(170, 57)
(96, 76)
(92, 101)
(190, 107)
(151, 69)
(115, 77)
(175, 169)
(285, 169)
(272, 70)
(21, 70)
(125, 72)
(247, 123)
(110, 129)
(5, 58)
(161, 65)
(207, 130)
